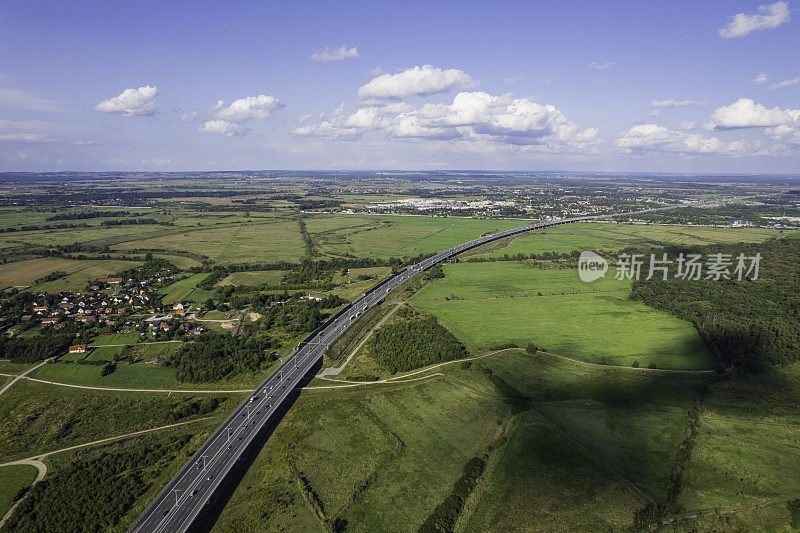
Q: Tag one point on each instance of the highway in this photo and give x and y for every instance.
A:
(179, 503)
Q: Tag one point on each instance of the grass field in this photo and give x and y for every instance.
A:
(589, 327)
(610, 237)
(35, 417)
(510, 278)
(258, 277)
(78, 280)
(748, 446)
(12, 479)
(78, 272)
(263, 242)
(181, 289)
(381, 459)
(23, 273)
(138, 376)
(116, 338)
(409, 236)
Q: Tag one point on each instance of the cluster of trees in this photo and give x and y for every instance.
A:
(443, 518)
(14, 229)
(152, 268)
(413, 340)
(318, 204)
(215, 356)
(52, 276)
(94, 494)
(296, 316)
(135, 221)
(35, 348)
(745, 324)
(92, 214)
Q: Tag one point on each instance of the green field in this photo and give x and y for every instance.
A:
(588, 326)
(138, 376)
(511, 278)
(748, 446)
(79, 272)
(263, 242)
(359, 450)
(611, 237)
(78, 280)
(36, 418)
(257, 277)
(23, 273)
(181, 289)
(115, 338)
(12, 479)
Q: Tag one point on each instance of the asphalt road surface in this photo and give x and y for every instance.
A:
(179, 503)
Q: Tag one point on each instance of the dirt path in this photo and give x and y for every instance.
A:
(23, 375)
(337, 371)
(122, 389)
(36, 461)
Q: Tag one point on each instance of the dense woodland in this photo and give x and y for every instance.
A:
(214, 356)
(413, 340)
(745, 324)
(93, 494)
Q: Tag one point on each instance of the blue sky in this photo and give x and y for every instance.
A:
(628, 86)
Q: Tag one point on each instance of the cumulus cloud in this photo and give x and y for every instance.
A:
(131, 102)
(328, 54)
(223, 127)
(476, 117)
(251, 107)
(228, 120)
(745, 113)
(767, 17)
(189, 116)
(415, 81)
(654, 138)
(785, 83)
(686, 126)
(597, 65)
(760, 79)
(667, 104)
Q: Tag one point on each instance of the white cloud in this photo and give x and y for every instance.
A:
(785, 134)
(335, 54)
(597, 65)
(189, 116)
(377, 71)
(654, 113)
(223, 127)
(473, 117)
(785, 83)
(654, 138)
(667, 104)
(760, 79)
(415, 81)
(227, 120)
(131, 102)
(513, 79)
(25, 100)
(249, 108)
(24, 137)
(686, 126)
(157, 162)
(745, 113)
(767, 17)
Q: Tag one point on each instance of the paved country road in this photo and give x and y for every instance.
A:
(177, 506)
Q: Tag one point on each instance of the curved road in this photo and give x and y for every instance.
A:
(179, 503)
